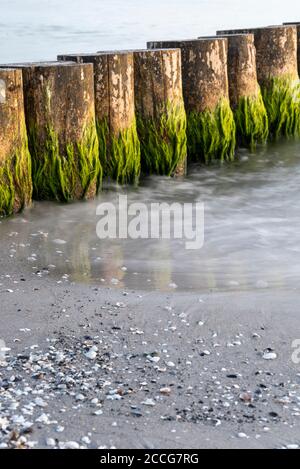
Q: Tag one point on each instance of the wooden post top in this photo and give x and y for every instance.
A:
(280, 27)
(39, 64)
(228, 36)
(103, 53)
(139, 51)
(178, 43)
(7, 68)
(93, 55)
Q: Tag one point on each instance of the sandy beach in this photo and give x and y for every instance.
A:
(104, 368)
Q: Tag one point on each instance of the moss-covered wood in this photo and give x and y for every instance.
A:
(252, 122)
(210, 121)
(277, 72)
(115, 113)
(60, 119)
(244, 91)
(161, 117)
(282, 100)
(211, 134)
(15, 162)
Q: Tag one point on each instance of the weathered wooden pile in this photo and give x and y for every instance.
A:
(66, 125)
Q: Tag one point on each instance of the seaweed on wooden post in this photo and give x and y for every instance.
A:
(161, 117)
(277, 72)
(210, 121)
(119, 146)
(244, 91)
(60, 119)
(15, 161)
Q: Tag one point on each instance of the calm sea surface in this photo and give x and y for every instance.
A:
(41, 29)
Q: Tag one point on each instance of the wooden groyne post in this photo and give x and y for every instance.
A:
(60, 119)
(210, 121)
(119, 146)
(297, 25)
(244, 91)
(277, 71)
(161, 117)
(15, 162)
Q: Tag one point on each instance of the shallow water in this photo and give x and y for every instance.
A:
(252, 231)
(41, 29)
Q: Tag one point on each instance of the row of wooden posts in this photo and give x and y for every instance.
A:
(65, 125)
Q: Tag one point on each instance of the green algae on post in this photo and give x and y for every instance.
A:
(210, 121)
(15, 160)
(119, 147)
(59, 176)
(282, 101)
(15, 181)
(163, 141)
(120, 155)
(252, 123)
(161, 117)
(60, 118)
(211, 134)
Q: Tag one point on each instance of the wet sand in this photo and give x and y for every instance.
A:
(99, 367)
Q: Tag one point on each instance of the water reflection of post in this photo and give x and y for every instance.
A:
(162, 271)
(110, 263)
(80, 255)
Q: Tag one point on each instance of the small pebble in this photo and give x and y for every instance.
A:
(50, 442)
(149, 402)
(269, 356)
